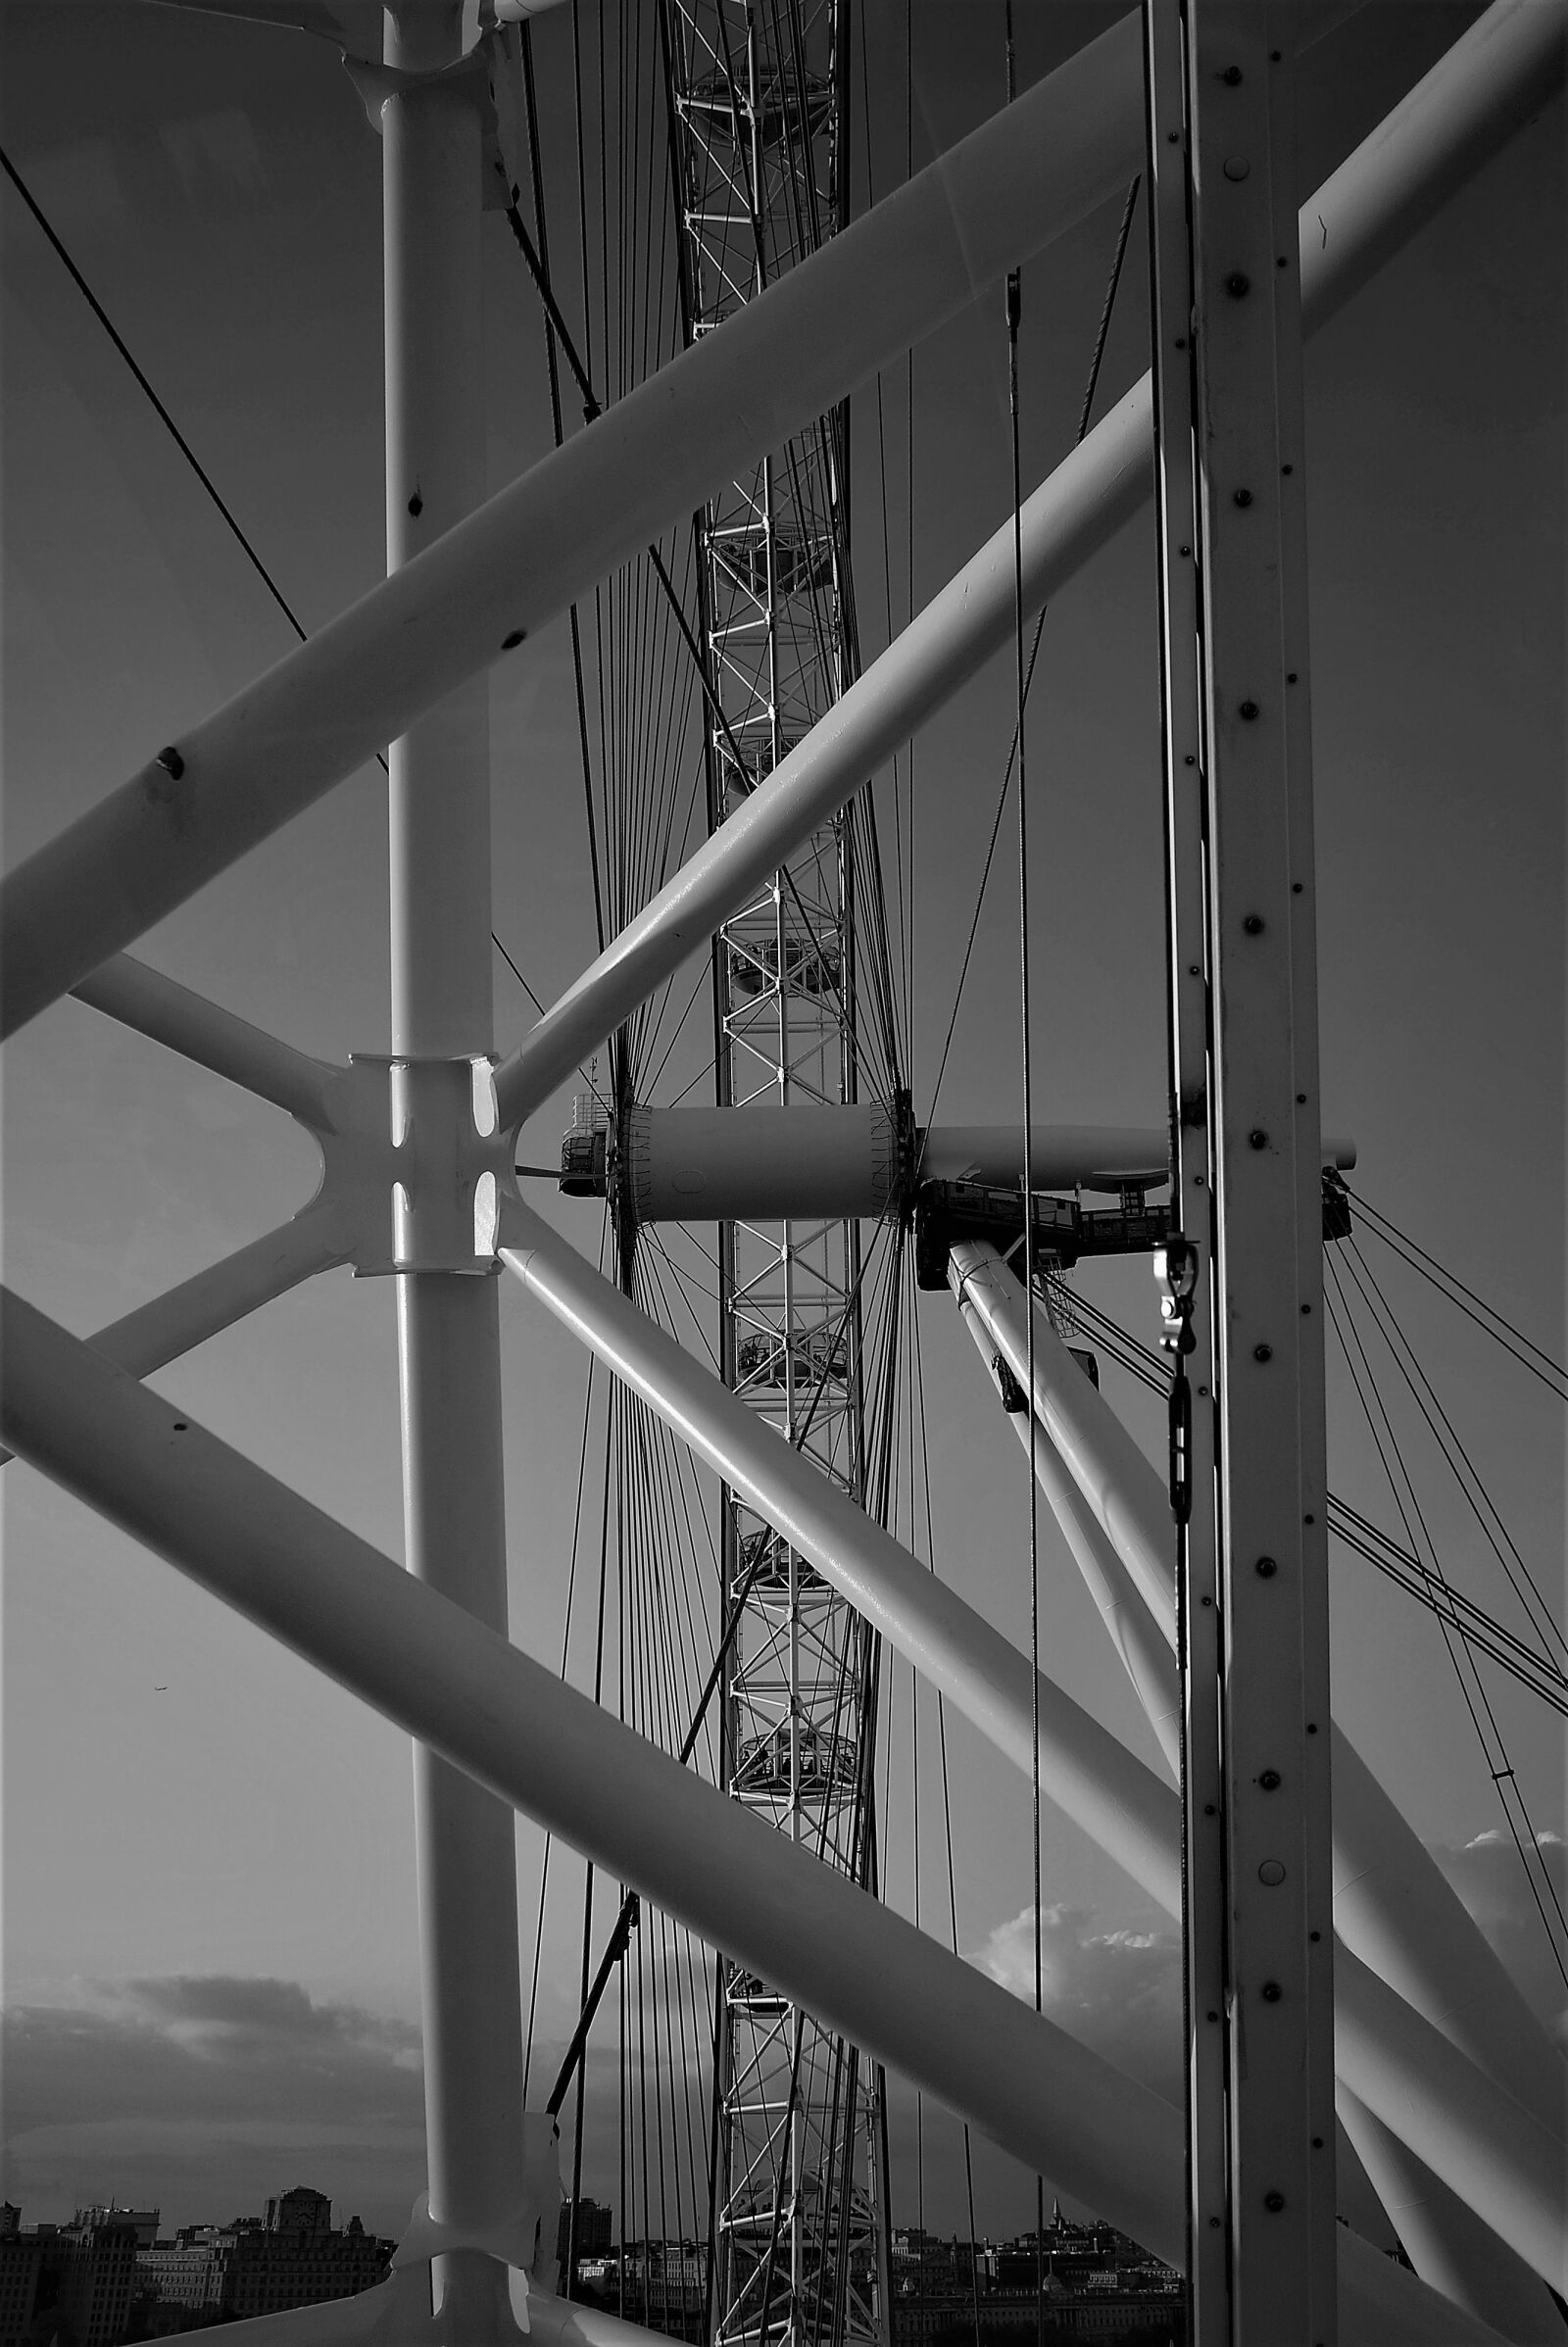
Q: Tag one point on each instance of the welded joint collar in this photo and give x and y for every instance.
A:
(415, 1164)
(967, 1267)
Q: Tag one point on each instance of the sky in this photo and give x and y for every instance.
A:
(209, 1943)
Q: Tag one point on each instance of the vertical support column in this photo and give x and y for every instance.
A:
(1243, 980)
(1198, 1615)
(448, 1330)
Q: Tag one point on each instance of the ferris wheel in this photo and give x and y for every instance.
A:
(729, 730)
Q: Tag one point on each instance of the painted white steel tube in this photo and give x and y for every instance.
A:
(1499, 2158)
(1104, 1462)
(516, 1728)
(184, 1317)
(1392, 1905)
(1435, 136)
(1061, 1157)
(169, 1013)
(892, 277)
(460, 1689)
(1380, 2301)
(449, 1346)
(328, 708)
(1445, 2241)
(1112, 1793)
(1473, 2136)
(1145, 1655)
(760, 1164)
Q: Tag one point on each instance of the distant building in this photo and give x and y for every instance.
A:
(143, 2223)
(594, 2232)
(185, 2274)
(302, 2214)
(71, 2283)
(1068, 2283)
(296, 2259)
(252, 2265)
(20, 2255)
(663, 2285)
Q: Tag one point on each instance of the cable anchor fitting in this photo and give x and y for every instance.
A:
(1176, 1269)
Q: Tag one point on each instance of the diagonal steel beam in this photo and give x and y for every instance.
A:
(211, 1300)
(1502, 70)
(1391, 1903)
(1145, 1653)
(1378, 2040)
(1495, 2152)
(310, 721)
(919, 258)
(142, 998)
(491, 1710)
(1108, 1790)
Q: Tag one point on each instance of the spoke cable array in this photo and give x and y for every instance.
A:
(1469, 1630)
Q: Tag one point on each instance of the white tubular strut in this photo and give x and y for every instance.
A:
(1122, 1803)
(210, 1300)
(1392, 1905)
(1145, 1655)
(448, 1346)
(1495, 76)
(322, 712)
(142, 998)
(1451, 2246)
(1499, 2160)
(890, 278)
(461, 1689)
(1106, 1465)
(1085, 1770)
(1445, 2241)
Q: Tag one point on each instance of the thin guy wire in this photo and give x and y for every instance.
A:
(1470, 1686)
(1444, 1280)
(1085, 411)
(198, 469)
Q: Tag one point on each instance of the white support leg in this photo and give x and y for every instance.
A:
(1145, 1656)
(1492, 79)
(1089, 1773)
(1451, 2247)
(185, 1316)
(329, 706)
(491, 1710)
(1392, 1906)
(919, 257)
(1112, 1793)
(1446, 2242)
(448, 1324)
(169, 1013)
(211, 1300)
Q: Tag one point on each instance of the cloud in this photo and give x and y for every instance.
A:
(1492, 1879)
(1118, 1991)
(204, 2094)
(225, 2015)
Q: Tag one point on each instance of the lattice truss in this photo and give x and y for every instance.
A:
(757, 99)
